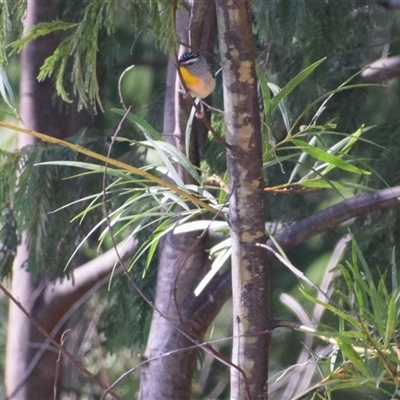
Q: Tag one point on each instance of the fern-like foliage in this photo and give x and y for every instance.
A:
(33, 197)
(298, 33)
(11, 13)
(83, 45)
(87, 29)
(365, 351)
(157, 15)
(9, 237)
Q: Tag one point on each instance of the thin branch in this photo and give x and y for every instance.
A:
(333, 216)
(298, 273)
(77, 303)
(320, 222)
(188, 348)
(116, 163)
(56, 344)
(58, 367)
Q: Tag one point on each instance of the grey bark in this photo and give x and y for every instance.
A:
(183, 259)
(320, 222)
(30, 361)
(250, 280)
(37, 113)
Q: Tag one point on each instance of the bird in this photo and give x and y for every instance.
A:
(197, 74)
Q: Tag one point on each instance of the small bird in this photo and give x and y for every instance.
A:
(197, 74)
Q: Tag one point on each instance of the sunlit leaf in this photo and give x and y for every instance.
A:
(7, 92)
(283, 108)
(349, 352)
(283, 93)
(329, 158)
(180, 158)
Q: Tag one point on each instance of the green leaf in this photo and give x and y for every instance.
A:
(219, 261)
(391, 320)
(301, 160)
(165, 226)
(349, 352)
(293, 83)
(353, 139)
(179, 156)
(267, 140)
(143, 125)
(326, 97)
(357, 253)
(161, 147)
(344, 146)
(358, 286)
(171, 169)
(201, 225)
(150, 133)
(322, 155)
(90, 167)
(7, 92)
(395, 284)
(150, 253)
(188, 130)
(329, 184)
(265, 91)
(342, 314)
(284, 109)
(39, 30)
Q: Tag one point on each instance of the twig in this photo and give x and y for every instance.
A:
(56, 344)
(298, 273)
(207, 348)
(169, 353)
(58, 362)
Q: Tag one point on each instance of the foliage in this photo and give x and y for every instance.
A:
(143, 205)
(11, 13)
(310, 30)
(90, 37)
(44, 216)
(306, 149)
(365, 342)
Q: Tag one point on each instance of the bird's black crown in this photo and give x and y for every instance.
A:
(185, 58)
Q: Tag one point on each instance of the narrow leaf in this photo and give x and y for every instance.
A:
(294, 83)
(143, 125)
(188, 130)
(353, 356)
(180, 158)
(322, 155)
(282, 105)
(171, 169)
(7, 93)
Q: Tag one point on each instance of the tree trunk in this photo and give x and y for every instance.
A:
(183, 258)
(250, 286)
(37, 112)
(30, 361)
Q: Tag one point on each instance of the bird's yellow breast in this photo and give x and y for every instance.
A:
(189, 78)
(197, 86)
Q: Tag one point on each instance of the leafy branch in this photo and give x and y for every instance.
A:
(121, 165)
(367, 330)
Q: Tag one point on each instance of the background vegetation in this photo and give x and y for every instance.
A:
(347, 144)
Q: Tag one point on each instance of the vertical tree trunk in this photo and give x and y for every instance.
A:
(37, 112)
(183, 259)
(250, 290)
